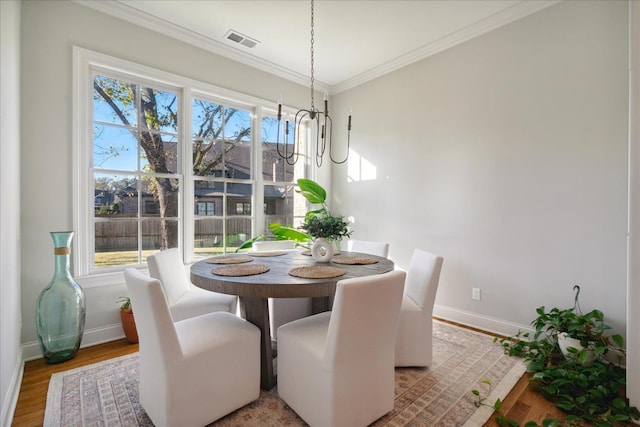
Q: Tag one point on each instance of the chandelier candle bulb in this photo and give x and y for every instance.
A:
(326, 104)
(279, 107)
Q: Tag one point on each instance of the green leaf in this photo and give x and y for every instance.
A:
(567, 406)
(249, 242)
(312, 191)
(618, 340)
(497, 405)
(285, 232)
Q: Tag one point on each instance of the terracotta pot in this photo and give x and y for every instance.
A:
(129, 325)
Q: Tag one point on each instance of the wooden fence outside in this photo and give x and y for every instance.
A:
(123, 235)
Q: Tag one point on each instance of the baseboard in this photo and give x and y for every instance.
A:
(91, 337)
(478, 321)
(11, 399)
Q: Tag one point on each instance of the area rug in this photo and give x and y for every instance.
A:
(106, 393)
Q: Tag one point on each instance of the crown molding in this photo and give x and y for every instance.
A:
(127, 13)
(497, 20)
(122, 11)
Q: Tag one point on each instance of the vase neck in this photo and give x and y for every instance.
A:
(61, 251)
(62, 263)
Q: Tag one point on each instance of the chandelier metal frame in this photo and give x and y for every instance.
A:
(323, 121)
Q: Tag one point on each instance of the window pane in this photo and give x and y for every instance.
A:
(208, 198)
(109, 191)
(116, 243)
(162, 113)
(208, 237)
(115, 147)
(207, 120)
(158, 234)
(113, 101)
(239, 195)
(238, 125)
(207, 158)
(283, 205)
(274, 167)
(159, 152)
(221, 140)
(160, 197)
(238, 232)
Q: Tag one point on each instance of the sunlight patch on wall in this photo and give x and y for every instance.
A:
(359, 168)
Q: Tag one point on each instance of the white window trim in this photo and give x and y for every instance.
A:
(84, 63)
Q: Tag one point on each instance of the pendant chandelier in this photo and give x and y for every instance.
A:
(323, 125)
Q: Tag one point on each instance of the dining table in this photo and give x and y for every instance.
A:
(257, 276)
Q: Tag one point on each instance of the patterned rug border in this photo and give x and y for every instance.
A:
(477, 418)
(54, 394)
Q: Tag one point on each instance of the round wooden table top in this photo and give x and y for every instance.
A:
(277, 282)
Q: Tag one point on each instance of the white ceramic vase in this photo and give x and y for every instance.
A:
(322, 250)
(565, 341)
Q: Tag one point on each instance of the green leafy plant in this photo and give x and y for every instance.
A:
(588, 392)
(317, 222)
(125, 303)
(331, 227)
(320, 222)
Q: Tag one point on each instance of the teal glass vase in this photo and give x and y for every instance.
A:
(60, 310)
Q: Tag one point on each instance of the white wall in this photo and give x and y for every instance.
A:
(10, 315)
(50, 29)
(507, 155)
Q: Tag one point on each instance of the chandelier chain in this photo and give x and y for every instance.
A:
(312, 62)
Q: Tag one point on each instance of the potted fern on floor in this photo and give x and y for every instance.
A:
(566, 357)
(128, 321)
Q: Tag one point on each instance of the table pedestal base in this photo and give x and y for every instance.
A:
(256, 311)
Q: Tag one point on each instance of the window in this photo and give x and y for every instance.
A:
(135, 158)
(205, 208)
(243, 208)
(163, 161)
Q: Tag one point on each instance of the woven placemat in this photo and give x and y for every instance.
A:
(354, 259)
(267, 253)
(229, 259)
(240, 270)
(317, 272)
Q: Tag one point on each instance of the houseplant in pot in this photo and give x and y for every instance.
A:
(584, 383)
(326, 230)
(128, 321)
(318, 223)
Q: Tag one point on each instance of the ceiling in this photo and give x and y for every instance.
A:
(355, 40)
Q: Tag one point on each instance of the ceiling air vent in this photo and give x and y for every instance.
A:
(245, 41)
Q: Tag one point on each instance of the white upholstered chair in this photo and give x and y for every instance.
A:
(282, 310)
(414, 346)
(184, 298)
(369, 247)
(337, 368)
(196, 370)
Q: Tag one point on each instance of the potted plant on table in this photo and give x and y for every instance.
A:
(318, 223)
(128, 321)
(326, 230)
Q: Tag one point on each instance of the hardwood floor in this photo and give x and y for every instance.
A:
(522, 404)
